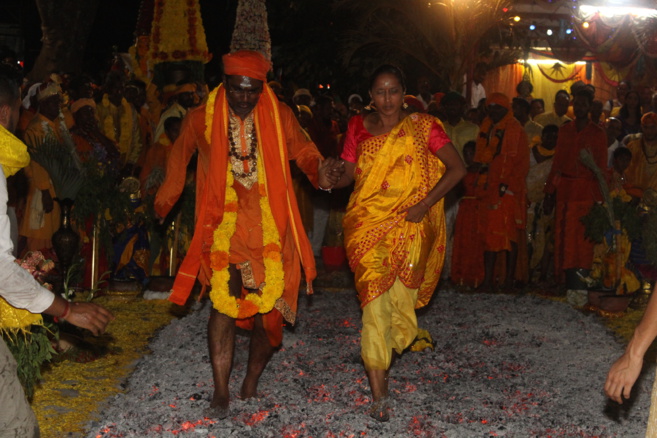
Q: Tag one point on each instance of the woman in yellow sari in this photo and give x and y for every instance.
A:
(402, 164)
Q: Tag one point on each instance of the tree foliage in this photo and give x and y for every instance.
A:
(445, 38)
(65, 25)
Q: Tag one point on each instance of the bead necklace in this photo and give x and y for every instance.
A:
(250, 158)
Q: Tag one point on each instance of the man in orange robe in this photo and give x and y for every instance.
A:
(249, 241)
(573, 187)
(42, 214)
(503, 155)
(467, 252)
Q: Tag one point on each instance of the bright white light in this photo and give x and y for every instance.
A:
(547, 62)
(612, 11)
(549, 32)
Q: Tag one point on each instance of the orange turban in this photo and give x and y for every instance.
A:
(499, 99)
(649, 119)
(246, 63)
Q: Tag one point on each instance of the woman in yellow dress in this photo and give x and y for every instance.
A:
(402, 164)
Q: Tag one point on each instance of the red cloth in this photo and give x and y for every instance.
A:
(503, 187)
(468, 249)
(576, 189)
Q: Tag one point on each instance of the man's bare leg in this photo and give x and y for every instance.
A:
(260, 352)
(221, 343)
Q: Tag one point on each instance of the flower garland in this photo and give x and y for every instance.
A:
(209, 114)
(177, 32)
(274, 278)
(251, 31)
(13, 319)
(125, 125)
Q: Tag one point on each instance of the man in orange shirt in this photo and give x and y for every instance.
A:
(249, 241)
(573, 187)
(502, 153)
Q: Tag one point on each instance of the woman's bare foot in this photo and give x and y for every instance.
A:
(380, 410)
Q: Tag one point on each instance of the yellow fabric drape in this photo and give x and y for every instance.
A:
(389, 323)
(13, 153)
(504, 80)
(394, 172)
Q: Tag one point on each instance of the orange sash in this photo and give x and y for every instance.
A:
(272, 141)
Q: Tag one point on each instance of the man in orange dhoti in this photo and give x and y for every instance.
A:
(574, 187)
(249, 241)
(503, 155)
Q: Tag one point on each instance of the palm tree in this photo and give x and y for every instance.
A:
(445, 37)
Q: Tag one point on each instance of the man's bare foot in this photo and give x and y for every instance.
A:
(218, 412)
(380, 410)
(249, 389)
(219, 408)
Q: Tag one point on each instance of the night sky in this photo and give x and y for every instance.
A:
(114, 25)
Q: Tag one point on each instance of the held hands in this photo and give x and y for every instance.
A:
(90, 316)
(330, 171)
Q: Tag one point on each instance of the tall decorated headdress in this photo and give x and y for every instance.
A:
(251, 30)
(140, 51)
(170, 36)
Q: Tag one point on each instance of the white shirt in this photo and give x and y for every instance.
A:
(478, 93)
(426, 104)
(17, 286)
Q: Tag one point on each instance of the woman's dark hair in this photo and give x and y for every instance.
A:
(624, 111)
(389, 69)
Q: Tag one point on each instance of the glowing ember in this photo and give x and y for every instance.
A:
(257, 418)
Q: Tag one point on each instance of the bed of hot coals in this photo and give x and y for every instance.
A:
(503, 365)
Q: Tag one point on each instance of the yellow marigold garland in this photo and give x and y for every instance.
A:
(14, 320)
(253, 303)
(209, 114)
(125, 119)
